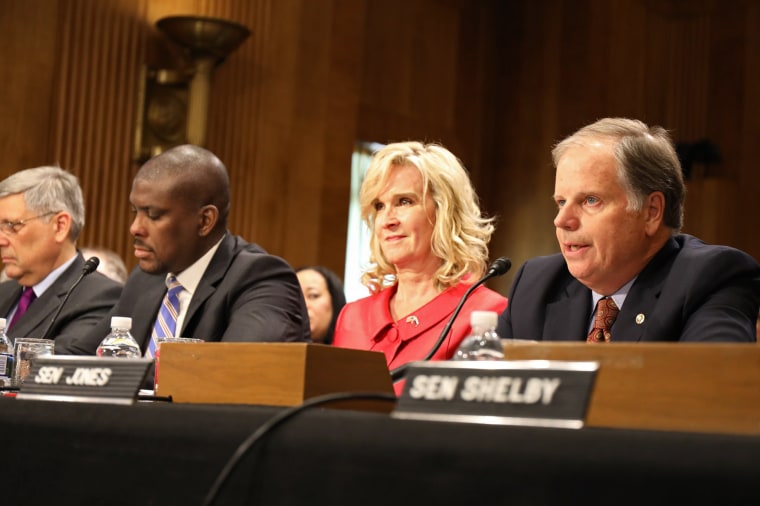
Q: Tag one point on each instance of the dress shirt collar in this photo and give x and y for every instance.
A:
(191, 277)
(618, 297)
(51, 278)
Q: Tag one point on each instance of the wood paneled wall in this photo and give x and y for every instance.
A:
(690, 66)
(497, 82)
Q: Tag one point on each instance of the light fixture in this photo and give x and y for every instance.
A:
(173, 103)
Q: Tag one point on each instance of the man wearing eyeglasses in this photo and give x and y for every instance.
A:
(41, 216)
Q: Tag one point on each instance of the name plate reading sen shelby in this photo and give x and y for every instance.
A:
(542, 393)
(85, 379)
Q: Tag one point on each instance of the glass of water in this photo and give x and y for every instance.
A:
(26, 349)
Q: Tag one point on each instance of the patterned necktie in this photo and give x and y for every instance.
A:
(606, 312)
(27, 297)
(166, 322)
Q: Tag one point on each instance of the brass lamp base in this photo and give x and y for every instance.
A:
(172, 104)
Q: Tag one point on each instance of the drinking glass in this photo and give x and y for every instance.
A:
(26, 349)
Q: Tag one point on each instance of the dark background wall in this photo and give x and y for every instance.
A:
(496, 81)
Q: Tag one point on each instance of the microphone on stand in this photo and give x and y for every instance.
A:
(89, 267)
(499, 267)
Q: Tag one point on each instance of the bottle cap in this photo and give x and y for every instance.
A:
(121, 322)
(487, 319)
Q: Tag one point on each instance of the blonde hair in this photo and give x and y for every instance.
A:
(460, 232)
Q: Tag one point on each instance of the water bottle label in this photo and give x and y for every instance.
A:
(6, 365)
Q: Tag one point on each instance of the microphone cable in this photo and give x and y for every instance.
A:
(275, 421)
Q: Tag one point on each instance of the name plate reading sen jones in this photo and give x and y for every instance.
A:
(85, 379)
(542, 393)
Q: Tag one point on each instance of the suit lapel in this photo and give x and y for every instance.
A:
(567, 317)
(151, 297)
(211, 278)
(639, 303)
(642, 299)
(9, 298)
(35, 321)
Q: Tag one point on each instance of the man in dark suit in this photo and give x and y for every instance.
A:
(41, 216)
(230, 290)
(620, 194)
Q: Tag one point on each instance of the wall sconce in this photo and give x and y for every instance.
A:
(173, 104)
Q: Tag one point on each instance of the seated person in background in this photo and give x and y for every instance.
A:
(110, 264)
(323, 291)
(429, 243)
(620, 196)
(41, 216)
(223, 288)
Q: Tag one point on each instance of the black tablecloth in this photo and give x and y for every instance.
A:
(171, 454)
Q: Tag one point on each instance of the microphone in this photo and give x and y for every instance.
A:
(499, 267)
(88, 268)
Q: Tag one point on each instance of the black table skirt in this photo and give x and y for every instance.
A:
(171, 454)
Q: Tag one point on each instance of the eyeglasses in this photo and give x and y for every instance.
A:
(12, 227)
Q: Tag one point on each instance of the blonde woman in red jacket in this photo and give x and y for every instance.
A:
(429, 244)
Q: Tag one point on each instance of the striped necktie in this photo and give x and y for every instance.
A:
(606, 313)
(166, 322)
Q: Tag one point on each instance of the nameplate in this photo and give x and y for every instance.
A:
(84, 379)
(531, 392)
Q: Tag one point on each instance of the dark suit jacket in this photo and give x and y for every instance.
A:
(689, 291)
(245, 294)
(87, 305)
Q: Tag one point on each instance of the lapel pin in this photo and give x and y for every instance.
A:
(640, 318)
(413, 320)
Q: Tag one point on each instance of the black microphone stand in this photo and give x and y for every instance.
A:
(89, 266)
(498, 267)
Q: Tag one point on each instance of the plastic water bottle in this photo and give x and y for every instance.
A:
(119, 343)
(6, 357)
(483, 343)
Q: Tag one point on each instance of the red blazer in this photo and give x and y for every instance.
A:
(366, 324)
